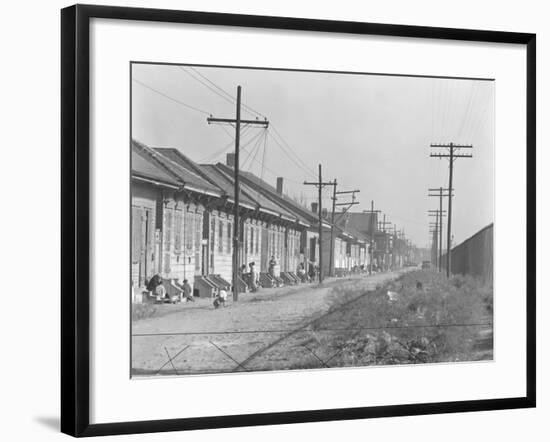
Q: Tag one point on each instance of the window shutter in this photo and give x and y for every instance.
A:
(137, 234)
(197, 223)
(168, 224)
(178, 227)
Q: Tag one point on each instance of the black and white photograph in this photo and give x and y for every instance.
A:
(308, 220)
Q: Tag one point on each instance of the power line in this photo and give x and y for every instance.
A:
(229, 100)
(181, 103)
(292, 156)
(255, 148)
(227, 95)
(303, 163)
(212, 156)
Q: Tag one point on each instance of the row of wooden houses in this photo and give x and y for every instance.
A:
(182, 223)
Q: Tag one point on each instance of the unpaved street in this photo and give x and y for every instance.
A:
(267, 330)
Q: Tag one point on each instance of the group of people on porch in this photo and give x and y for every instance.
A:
(157, 286)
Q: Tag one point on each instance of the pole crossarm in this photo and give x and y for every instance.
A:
(347, 204)
(342, 192)
(449, 145)
(329, 183)
(446, 155)
(263, 123)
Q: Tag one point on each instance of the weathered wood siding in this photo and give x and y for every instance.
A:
(220, 244)
(144, 262)
(181, 239)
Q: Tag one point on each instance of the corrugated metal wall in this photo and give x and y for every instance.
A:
(474, 256)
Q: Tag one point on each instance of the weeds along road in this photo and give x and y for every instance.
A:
(266, 330)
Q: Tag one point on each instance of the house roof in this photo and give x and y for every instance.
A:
(222, 179)
(364, 223)
(188, 177)
(175, 167)
(303, 214)
(146, 168)
(251, 192)
(226, 184)
(346, 228)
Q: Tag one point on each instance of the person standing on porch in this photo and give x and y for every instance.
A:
(253, 277)
(188, 291)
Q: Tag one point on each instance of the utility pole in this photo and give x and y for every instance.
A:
(440, 192)
(331, 265)
(383, 229)
(334, 204)
(452, 155)
(372, 212)
(320, 184)
(434, 235)
(439, 214)
(237, 121)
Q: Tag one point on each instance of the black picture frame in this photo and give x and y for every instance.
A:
(75, 212)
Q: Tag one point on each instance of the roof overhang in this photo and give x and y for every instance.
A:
(154, 181)
(204, 192)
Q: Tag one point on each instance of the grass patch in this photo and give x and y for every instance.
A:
(421, 317)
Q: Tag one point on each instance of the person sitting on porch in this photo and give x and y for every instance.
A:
(242, 271)
(301, 272)
(272, 264)
(156, 288)
(220, 299)
(311, 272)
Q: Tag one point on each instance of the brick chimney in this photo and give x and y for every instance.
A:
(315, 207)
(230, 160)
(280, 185)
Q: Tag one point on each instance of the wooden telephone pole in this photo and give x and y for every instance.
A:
(452, 155)
(372, 226)
(440, 192)
(382, 227)
(439, 214)
(334, 204)
(320, 185)
(237, 121)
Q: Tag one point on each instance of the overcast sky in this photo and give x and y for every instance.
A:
(370, 132)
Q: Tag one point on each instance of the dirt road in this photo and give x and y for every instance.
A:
(267, 330)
